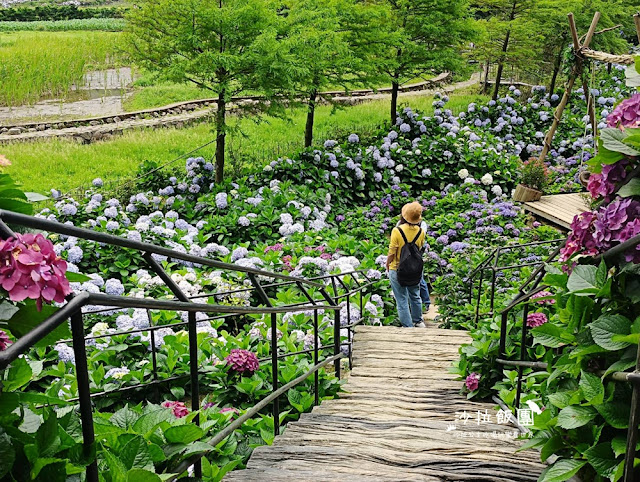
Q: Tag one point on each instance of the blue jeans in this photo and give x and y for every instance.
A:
(408, 301)
(424, 293)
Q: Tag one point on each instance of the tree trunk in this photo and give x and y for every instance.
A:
(556, 71)
(505, 47)
(221, 134)
(311, 110)
(485, 84)
(395, 87)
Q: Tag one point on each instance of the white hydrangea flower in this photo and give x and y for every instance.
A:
(463, 174)
(487, 179)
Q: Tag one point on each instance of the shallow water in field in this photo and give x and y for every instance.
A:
(101, 94)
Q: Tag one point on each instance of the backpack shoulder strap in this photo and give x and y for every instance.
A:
(417, 235)
(403, 235)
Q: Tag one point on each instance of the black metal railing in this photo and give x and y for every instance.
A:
(526, 291)
(72, 310)
(491, 263)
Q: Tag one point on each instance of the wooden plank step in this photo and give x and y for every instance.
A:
(398, 419)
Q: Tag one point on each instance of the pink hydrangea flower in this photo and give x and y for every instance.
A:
(179, 408)
(536, 319)
(472, 381)
(4, 341)
(626, 113)
(242, 361)
(543, 294)
(235, 411)
(604, 183)
(30, 268)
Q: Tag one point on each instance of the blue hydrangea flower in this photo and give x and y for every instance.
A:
(221, 200)
(75, 254)
(114, 287)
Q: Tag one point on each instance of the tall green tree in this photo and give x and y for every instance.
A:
(224, 46)
(507, 37)
(334, 43)
(549, 18)
(422, 37)
(318, 42)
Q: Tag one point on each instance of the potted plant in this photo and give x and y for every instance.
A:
(534, 177)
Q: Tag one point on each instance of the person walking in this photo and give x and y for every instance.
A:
(424, 289)
(404, 265)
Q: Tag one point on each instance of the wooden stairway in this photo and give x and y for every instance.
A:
(396, 422)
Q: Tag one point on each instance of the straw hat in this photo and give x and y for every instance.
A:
(412, 212)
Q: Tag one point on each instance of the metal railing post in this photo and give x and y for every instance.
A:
(274, 373)
(193, 375)
(193, 343)
(316, 400)
(274, 350)
(632, 431)
(523, 352)
(479, 296)
(349, 330)
(84, 394)
(336, 340)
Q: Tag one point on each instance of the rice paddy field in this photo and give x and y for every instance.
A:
(39, 65)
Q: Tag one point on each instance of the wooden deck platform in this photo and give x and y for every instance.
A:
(558, 209)
(402, 418)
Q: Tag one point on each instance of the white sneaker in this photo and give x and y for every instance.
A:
(420, 325)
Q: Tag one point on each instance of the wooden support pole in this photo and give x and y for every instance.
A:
(636, 19)
(558, 113)
(574, 32)
(592, 30)
(590, 107)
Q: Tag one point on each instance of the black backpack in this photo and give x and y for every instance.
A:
(411, 265)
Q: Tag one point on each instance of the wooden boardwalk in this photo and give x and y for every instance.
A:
(558, 209)
(395, 422)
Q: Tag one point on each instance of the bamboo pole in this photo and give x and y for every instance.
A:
(592, 30)
(624, 59)
(574, 32)
(636, 19)
(558, 113)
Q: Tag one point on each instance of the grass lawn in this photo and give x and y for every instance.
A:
(66, 165)
(150, 93)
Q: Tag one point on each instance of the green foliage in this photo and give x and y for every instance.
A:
(226, 47)
(534, 174)
(420, 37)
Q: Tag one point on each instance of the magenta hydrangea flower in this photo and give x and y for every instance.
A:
(235, 411)
(626, 113)
(179, 408)
(30, 268)
(472, 381)
(536, 319)
(581, 237)
(4, 341)
(242, 361)
(543, 294)
(604, 184)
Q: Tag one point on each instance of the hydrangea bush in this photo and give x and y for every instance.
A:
(584, 325)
